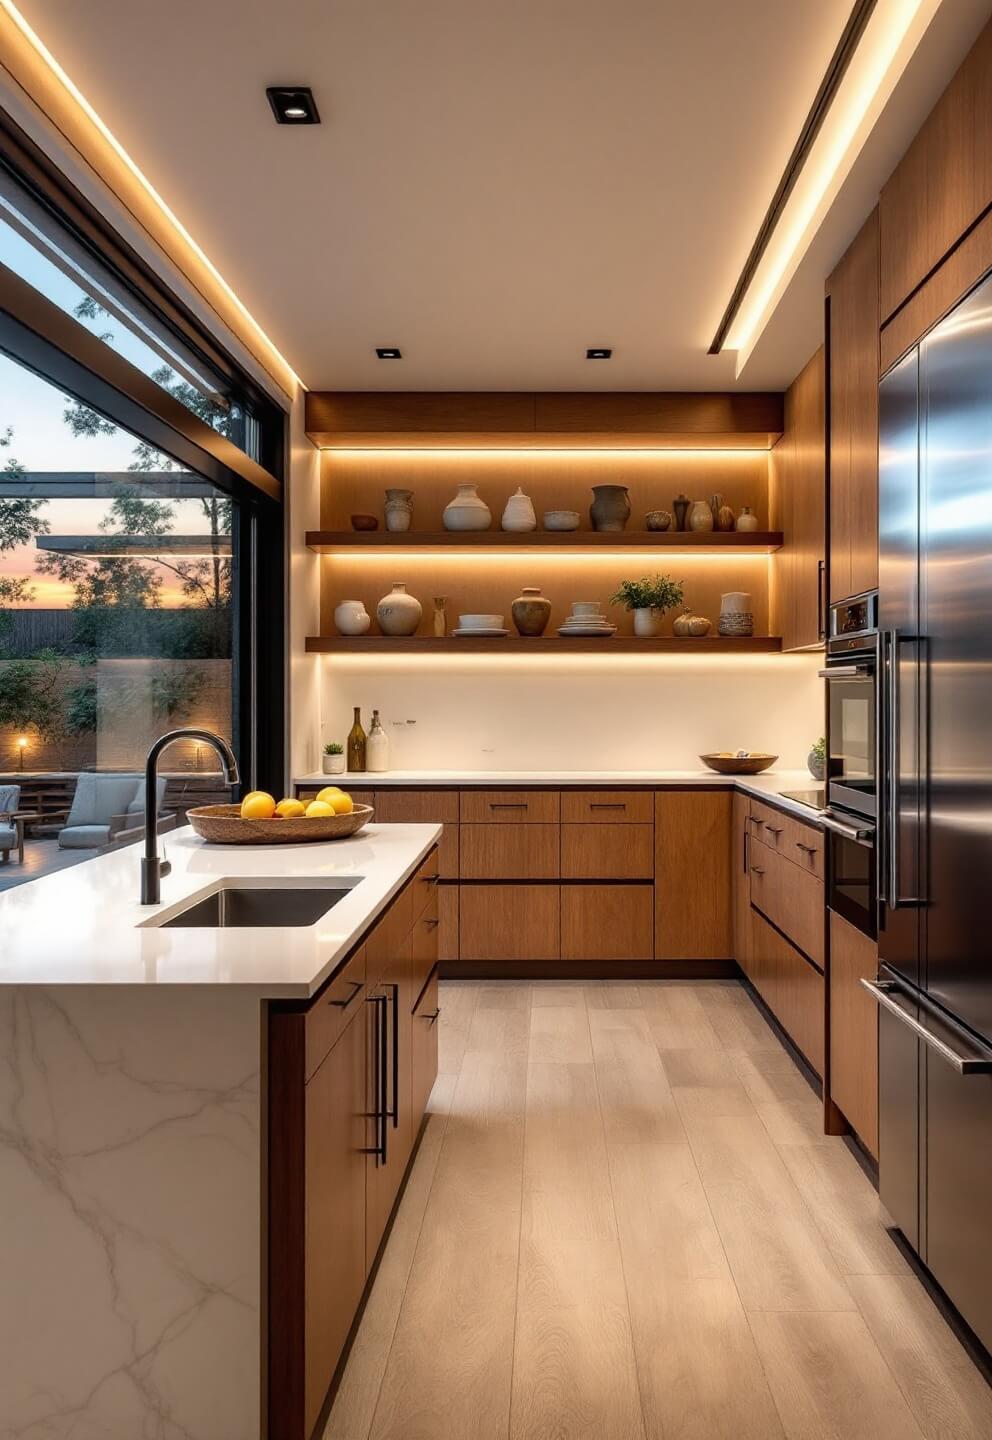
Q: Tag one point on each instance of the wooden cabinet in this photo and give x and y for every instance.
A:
(692, 875)
(607, 922)
(943, 182)
(510, 852)
(854, 1030)
(607, 807)
(391, 1003)
(511, 807)
(510, 922)
(797, 501)
(791, 987)
(334, 1008)
(853, 319)
(790, 898)
(424, 947)
(600, 851)
(740, 820)
(424, 1045)
(789, 837)
(425, 807)
(336, 1138)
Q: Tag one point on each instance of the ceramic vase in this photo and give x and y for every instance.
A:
(467, 511)
(816, 765)
(398, 613)
(736, 615)
(701, 516)
(725, 518)
(716, 504)
(610, 509)
(519, 513)
(352, 618)
(747, 520)
(659, 519)
(332, 764)
(681, 505)
(647, 622)
(531, 611)
(399, 510)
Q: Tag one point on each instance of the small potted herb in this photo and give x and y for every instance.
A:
(333, 759)
(816, 760)
(649, 598)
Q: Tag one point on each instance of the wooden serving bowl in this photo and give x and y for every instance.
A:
(223, 825)
(738, 765)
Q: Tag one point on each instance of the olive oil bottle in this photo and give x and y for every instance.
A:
(357, 740)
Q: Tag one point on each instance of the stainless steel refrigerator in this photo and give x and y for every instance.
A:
(935, 821)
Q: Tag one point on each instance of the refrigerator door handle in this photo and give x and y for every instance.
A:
(886, 991)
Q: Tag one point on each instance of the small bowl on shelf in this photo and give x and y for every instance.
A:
(364, 522)
(561, 519)
(746, 762)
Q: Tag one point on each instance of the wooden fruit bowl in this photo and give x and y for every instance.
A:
(223, 825)
(737, 764)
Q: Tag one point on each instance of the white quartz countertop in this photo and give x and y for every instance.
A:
(768, 786)
(85, 925)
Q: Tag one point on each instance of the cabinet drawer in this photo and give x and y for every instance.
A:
(604, 807)
(792, 989)
(791, 899)
(424, 885)
(425, 807)
(607, 852)
(854, 1029)
(387, 939)
(532, 807)
(331, 1010)
(509, 922)
(802, 844)
(447, 932)
(424, 943)
(424, 1045)
(510, 852)
(607, 922)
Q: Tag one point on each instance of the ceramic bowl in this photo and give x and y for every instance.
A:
(751, 764)
(364, 522)
(561, 519)
(480, 622)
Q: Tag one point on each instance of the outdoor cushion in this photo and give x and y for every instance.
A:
(99, 797)
(10, 798)
(8, 837)
(84, 837)
(137, 806)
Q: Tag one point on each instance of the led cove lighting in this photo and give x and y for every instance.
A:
(68, 85)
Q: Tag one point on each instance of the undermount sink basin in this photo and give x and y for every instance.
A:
(267, 904)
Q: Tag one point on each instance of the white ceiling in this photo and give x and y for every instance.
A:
(494, 186)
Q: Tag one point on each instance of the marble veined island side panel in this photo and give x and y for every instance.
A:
(130, 1218)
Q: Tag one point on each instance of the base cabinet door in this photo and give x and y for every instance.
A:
(424, 1047)
(741, 884)
(510, 922)
(692, 875)
(854, 1030)
(607, 922)
(335, 1208)
(391, 1104)
(791, 987)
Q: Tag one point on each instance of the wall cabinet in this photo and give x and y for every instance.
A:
(854, 1030)
(349, 1077)
(797, 500)
(852, 444)
(692, 875)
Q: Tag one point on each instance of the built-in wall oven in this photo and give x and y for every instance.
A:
(851, 674)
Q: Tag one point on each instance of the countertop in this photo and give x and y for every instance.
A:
(768, 786)
(85, 925)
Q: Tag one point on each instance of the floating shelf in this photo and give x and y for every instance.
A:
(706, 542)
(539, 645)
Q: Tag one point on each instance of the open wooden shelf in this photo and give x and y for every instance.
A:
(716, 542)
(538, 645)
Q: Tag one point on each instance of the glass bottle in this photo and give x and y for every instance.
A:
(356, 743)
(378, 746)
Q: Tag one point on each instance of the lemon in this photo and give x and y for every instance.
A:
(319, 810)
(328, 793)
(258, 805)
(342, 803)
(290, 809)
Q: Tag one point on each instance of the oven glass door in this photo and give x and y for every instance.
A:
(851, 737)
(852, 889)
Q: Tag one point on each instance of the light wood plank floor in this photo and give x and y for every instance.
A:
(624, 1223)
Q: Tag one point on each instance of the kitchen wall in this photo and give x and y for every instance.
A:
(522, 712)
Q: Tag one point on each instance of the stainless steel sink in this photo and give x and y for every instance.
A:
(273, 906)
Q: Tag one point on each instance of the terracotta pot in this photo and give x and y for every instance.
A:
(610, 510)
(398, 613)
(531, 611)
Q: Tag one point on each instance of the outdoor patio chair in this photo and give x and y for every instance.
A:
(11, 824)
(110, 810)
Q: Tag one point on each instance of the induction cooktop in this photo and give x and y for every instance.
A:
(815, 799)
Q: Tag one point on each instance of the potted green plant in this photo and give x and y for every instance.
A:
(333, 759)
(649, 598)
(816, 760)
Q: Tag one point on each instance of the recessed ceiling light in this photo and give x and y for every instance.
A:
(293, 104)
(599, 352)
(389, 352)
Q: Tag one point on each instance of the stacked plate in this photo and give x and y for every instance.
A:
(480, 625)
(586, 619)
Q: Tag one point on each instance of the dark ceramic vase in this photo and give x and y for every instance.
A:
(610, 509)
(531, 611)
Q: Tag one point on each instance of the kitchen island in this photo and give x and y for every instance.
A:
(134, 1117)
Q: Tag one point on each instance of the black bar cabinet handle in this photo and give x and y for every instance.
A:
(356, 987)
(379, 1072)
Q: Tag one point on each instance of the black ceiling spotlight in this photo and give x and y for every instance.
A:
(389, 352)
(599, 352)
(293, 104)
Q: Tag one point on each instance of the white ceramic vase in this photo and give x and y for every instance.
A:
(398, 612)
(701, 515)
(519, 513)
(352, 618)
(398, 509)
(647, 622)
(467, 511)
(746, 520)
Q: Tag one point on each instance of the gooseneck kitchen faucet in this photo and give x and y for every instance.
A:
(152, 868)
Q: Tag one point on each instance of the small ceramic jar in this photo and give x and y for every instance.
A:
(519, 513)
(658, 519)
(747, 520)
(399, 510)
(352, 618)
(531, 611)
(398, 613)
(610, 509)
(701, 516)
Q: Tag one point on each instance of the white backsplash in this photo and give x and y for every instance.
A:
(532, 713)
